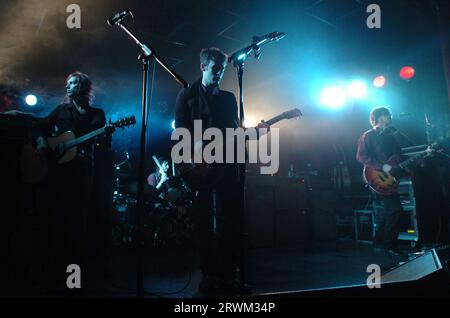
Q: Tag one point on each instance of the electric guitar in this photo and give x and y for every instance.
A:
(203, 175)
(387, 183)
(64, 146)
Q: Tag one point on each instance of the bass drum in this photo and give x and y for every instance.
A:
(124, 207)
(172, 227)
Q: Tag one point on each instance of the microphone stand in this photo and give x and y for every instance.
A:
(241, 173)
(144, 57)
(428, 127)
(238, 59)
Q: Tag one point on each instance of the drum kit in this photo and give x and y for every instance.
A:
(167, 219)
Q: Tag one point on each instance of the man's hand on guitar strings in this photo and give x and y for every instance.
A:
(386, 168)
(263, 125)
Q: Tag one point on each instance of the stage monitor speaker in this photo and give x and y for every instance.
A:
(417, 268)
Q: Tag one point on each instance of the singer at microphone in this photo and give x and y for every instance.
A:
(118, 17)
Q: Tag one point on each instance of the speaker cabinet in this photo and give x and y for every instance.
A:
(415, 269)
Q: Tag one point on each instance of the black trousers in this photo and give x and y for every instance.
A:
(217, 219)
(387, 219)
(64, 211)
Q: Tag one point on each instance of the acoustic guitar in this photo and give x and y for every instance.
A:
(34, 169)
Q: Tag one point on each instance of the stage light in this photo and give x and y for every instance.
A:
(379, 81)
(250, 122)
(173, 124)
(407, 72)
(357, 89)
(333, 97)
(31, 100)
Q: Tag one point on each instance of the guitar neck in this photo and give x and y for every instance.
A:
(275, 119)
(80, 140)
(406, 163)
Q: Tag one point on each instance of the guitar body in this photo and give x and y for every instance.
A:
(34, 169)
(379, 181)
(67, 154)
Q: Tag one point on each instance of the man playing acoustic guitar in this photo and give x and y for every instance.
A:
(375, 147)
(66, 194)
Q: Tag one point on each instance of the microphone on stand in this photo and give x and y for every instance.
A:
(242, 54)
(112, 21)
(269, 37)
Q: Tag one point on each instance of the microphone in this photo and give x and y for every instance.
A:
(269, 37)
(112, 21)
(242, 54)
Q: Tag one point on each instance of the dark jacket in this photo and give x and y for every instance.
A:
(215, 110)
(377, 146)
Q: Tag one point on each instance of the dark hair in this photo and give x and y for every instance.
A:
(210, 54)
(85, 93)
(377, 112)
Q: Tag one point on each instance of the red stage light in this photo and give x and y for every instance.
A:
(379, 81)
(407, 72)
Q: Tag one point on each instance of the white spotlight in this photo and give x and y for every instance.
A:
(31, 100)
(333, 97)
(357, 89)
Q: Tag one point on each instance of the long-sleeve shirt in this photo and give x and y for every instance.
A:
(377, 146)
(215, 109)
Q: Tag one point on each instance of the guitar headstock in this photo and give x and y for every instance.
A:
(293, 113)
(124, 122)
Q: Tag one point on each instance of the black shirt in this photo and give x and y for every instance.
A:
(215, 109)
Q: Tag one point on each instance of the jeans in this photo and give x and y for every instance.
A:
(387, 219)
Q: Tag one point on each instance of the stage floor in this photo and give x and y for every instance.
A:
(269, 270)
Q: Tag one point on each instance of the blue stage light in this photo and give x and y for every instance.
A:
(173, 124)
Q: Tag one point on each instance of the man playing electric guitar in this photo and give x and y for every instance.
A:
(216, 208)
(376, 147)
